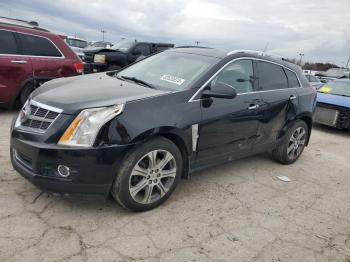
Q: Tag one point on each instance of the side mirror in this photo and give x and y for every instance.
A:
(220, 90)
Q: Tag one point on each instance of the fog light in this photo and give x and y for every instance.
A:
(63, 170)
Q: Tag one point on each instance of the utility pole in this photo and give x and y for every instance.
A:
(266, 46)
(301, 57)
(347, 63)
(197, 43)
(103, 34)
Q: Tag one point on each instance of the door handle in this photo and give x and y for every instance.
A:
(253, 106)
(292, 97)
(19, 61)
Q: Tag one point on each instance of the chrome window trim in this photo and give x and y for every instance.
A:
(59, 50)
(192, 99)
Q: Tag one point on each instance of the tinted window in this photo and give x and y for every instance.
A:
(292, 79)
(271, 76)
(143, 49)
(37, 46)
(7, 43)
(238, 74)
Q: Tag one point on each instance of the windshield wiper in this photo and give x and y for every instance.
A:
(139, 81)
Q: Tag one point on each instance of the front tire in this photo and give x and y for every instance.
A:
(293, 145)
(148, 175)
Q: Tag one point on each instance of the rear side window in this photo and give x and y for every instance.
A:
(38, 46)
(271, 76)
(8, 43)
(292, 79)
(143, 49)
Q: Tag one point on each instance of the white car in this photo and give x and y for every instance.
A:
(77, 45)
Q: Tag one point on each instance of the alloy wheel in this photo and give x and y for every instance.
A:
(296, 143)
(152, 176)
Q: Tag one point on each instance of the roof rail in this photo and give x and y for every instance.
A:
(255, 52)
(22, 23)
(192, 46)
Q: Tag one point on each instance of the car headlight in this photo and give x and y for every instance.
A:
(100, 59)
(85, 127)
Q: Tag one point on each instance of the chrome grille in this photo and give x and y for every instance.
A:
(37, 117)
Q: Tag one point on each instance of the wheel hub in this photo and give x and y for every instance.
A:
(152, 176)
(296, 142)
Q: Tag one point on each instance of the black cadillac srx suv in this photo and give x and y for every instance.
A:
(135, 132)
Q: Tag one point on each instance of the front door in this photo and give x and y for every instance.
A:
(229, 126)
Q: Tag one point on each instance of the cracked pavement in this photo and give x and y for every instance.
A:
(238, 211)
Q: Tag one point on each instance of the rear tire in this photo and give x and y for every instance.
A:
(293, 144)
(148, 175)
(25, 93)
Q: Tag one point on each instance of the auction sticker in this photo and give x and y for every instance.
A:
(172, 79)
(325, 89)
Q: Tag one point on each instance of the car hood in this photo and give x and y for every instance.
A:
(99, 49)
(333, 99)
(73, 94)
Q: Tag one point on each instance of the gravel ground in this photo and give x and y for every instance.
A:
(235, 212)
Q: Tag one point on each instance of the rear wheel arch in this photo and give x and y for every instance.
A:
(308, 121)
(304, 117)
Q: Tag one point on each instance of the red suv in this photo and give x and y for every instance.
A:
(30, 56)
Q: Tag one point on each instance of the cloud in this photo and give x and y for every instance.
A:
(317, 28)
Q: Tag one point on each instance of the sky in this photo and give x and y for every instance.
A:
(318, 29)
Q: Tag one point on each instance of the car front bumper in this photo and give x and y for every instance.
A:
(92, 170)
(94, 68)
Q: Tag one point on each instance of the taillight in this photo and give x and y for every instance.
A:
(79, 67)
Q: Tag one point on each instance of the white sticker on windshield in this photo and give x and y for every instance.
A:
(172, 79)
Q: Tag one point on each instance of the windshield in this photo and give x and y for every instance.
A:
(123, 45)
(76, 43)
(101, 44)
(169, 70)
(341, 88)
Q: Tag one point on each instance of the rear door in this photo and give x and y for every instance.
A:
(279, 102)
(14, 68)
(45, 57)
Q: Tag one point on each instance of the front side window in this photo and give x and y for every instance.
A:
(170, 70)
(38, 46)
(271, 76)
(8, 43)
(238, 74)
(292, 79)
